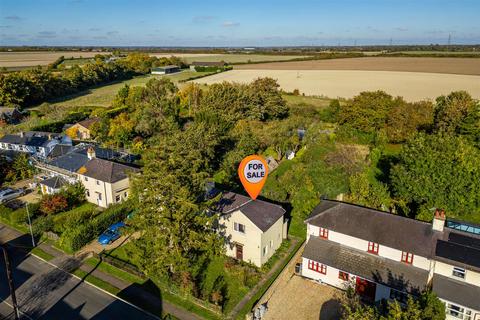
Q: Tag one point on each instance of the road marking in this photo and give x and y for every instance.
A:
(84, 281)
(23, 313)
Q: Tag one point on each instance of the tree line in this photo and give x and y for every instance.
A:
(32, 87)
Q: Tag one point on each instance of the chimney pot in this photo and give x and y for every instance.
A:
(439, 220)
(91, 153)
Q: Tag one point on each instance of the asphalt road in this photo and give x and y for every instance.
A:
(46, 292)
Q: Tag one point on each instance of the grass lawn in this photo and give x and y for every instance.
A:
(103, 96)
(42, 254)
(96, 281)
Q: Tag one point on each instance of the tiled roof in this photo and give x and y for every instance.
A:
(71, 161)
(263, 214)
(384, 228)
(457, 291)
(87, 123)
(54, 182)
(394, 274)
(104, 170)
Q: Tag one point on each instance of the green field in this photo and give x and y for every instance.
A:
(239, 58)
(103, 96)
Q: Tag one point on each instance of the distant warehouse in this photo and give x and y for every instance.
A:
(166, 69)
(209, 66)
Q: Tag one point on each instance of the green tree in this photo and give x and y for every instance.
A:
(440, 171)
(368, 111)
(452, 110)
(178, 234)
(405, 119)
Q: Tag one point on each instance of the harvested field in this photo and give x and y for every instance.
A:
(230, 58)
(413, 86)
(35, 58)
(469, 66)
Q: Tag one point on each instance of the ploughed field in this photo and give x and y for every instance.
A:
(35, 58)
(230, 58)
(413, 86)
(469, 66)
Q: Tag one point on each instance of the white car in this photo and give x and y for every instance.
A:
(9, 194)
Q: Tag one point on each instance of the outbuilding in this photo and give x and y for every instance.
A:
(166, 69)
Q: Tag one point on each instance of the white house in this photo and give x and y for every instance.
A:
(52, 185)
(253, 229)
(386, 256)
(38, 144)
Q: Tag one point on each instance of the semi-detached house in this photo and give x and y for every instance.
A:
(253, 229)
(386, 256)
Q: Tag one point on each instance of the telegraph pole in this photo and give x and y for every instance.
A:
(30, 224)
(8, 268)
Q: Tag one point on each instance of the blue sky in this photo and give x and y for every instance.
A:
(238, 22)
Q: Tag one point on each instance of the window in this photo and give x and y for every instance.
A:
(125, 194)
(265, 250)
(117, 198)
(343, 275)
(86, 178)
(458, 272)
(407, 257)
(99, 196)
(87, 192)
(323, 233)
(458, 312)
(98, 182)
(271, 243)
(239, 227)
(399, 296)
(318, 267)
(373, 247)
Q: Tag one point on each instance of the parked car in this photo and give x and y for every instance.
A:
(10, 194)
(111, 234)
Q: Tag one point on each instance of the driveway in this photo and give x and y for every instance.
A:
(299, 298)
(294, 297)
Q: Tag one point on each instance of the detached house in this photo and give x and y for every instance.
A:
(82, 130)
(385, 256)
(106, 182)
(253, 229)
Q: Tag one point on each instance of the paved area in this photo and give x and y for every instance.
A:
(300, 298)
(55, 279)
(294, 297)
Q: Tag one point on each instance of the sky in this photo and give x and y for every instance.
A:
(238, 23)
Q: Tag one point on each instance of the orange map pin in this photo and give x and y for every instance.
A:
(253, 172)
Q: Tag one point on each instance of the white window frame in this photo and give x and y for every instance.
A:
(265, 251)
(458, 311)
(459, 272)
(236, 227)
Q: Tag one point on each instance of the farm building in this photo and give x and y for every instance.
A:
(166, 69)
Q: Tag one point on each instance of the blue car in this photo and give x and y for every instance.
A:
(111, 234)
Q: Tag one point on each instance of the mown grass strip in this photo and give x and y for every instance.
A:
(42, 254)
(96, 281)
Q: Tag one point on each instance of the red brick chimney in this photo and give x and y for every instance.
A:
(438, 220)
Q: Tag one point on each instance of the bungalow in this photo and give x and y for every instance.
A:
(386, 256)
(105, 182)
(82, 130)
(166, 69)
(38, 144)
(52, 185)
(253, 229)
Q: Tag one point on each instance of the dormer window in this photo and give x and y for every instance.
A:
(323, 233)
(407, 257)
(373, 247)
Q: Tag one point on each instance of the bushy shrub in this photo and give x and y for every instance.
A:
(52, 204)
(19, 216)
(75, 237)
(42, 224)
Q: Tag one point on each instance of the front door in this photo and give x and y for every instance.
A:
(239, 251)
(366, 289)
